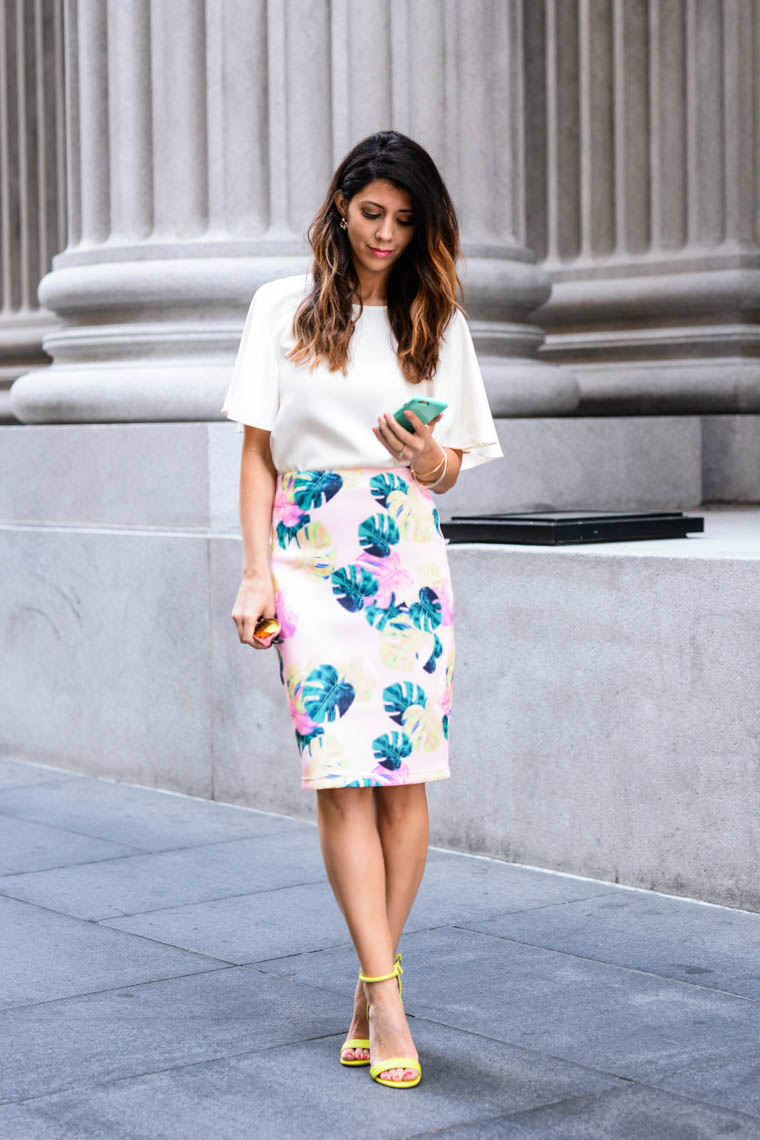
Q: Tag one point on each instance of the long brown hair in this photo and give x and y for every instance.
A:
(423, 283)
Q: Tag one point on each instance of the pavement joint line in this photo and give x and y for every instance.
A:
(137, 853)
(569, 1101)
(114, 989)
(204, 902)
(605, 882)
(611, 965)
(109, 1080)
(197, 902)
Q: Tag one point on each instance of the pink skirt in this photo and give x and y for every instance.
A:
(366, 649)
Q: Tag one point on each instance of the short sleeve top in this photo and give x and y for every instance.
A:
(323, 420)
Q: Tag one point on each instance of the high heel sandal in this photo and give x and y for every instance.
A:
(361, 1042)
(393, 1062)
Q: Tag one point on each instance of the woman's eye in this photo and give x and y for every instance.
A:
(373, 217)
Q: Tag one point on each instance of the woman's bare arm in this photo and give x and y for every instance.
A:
(258, 482)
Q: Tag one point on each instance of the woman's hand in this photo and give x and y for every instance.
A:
(254, 601)
(419, 446)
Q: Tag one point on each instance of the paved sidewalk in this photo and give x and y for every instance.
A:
(172, 967)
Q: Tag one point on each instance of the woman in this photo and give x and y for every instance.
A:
(342, 543)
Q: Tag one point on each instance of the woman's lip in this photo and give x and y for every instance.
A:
(380, 252)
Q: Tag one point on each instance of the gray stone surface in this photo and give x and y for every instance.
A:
(661, 936)
(118, 1033)
(731, 459)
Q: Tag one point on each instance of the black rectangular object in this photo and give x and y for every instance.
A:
(553, 528)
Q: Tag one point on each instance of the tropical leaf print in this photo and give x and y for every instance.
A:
(311, 488)
(429, 665)
(381, 486)
(397, 699)
(352, 585)
(361, 676)
(378, 534)
(431, 574)
(365, 782)
(285, 506)
(445, 725)
(402, 644)
(286, 534)
(412, 514)
(316, 550)
(379, 616)
(390, 776)
(423, 726)
(391, 748)
(391, 576)
(437, 521)
(326, 695)
(327, 755)
(426, 613)
(285, 617)
(304, 738)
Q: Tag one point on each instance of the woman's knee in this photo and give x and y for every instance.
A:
(401, 800)
(345, 804)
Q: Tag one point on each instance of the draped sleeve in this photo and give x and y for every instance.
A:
(467, 422)
(253, 393)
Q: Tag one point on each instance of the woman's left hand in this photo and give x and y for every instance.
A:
(419, 447)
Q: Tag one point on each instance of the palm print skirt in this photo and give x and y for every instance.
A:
(366, 647)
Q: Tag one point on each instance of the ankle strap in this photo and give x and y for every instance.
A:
(395, 972)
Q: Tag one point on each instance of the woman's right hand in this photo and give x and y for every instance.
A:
(254, 601)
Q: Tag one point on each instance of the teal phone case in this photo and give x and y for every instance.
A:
(425, 407)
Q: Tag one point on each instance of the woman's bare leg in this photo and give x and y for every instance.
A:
(398, 818)
(349, 830)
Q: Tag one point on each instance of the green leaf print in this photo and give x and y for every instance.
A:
(437, 521)
(426, 613)
(378, 534)
(379, 616)
(304, 738)
(445, 723)
(381, 486)
(286, 534)
(397, 699)
(352, 585)
(429, 665)
(311, 487)
(325, 694)
(391, 748)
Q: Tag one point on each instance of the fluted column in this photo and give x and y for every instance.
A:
(642, 171)
(32, 179)
(202, 135)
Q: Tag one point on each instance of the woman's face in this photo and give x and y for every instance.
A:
(380, 224)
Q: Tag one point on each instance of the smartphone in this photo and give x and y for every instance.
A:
(422, 406)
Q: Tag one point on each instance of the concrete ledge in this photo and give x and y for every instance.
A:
(186, 474)
(605, 717)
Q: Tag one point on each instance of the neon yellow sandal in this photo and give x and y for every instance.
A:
(359, 1042)
(393, 1062)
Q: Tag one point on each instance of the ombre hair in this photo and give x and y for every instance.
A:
(422, 286)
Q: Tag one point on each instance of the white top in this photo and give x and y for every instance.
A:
(321, 420)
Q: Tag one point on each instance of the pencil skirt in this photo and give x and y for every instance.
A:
(366, 648)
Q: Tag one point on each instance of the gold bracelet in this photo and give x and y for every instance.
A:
(422, 478)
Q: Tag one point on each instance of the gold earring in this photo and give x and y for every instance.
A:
(343, 224)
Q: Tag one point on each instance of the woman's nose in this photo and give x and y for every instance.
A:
(385, 230)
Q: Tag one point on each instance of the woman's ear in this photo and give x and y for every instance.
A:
(340, 202)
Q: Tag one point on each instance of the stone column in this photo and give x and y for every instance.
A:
(202, 135)
(642, 174)
(32, 179)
